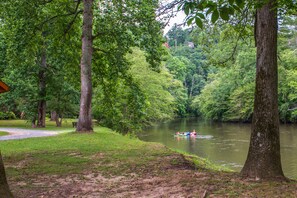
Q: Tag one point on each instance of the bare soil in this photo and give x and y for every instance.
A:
(169, 176)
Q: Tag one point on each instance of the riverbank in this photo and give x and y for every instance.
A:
(106, 164)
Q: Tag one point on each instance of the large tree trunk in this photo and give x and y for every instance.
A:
(85, 114)
(4, 188)
(42, 91)
(264, 160)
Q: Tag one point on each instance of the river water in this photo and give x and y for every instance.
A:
(222, 143)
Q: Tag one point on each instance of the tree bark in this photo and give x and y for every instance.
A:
(58, 119)
(4, 188)
(42, 91)
(264, 159)
(53, 116)
(85, 114)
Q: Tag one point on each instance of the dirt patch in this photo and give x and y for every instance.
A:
(168, 176)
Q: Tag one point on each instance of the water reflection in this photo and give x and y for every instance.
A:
(228, 145)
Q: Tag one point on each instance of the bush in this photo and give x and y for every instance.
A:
(9, 115)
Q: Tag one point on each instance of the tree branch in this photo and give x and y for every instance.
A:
(74, 12)
(167, 11)
(72, 22)
(243, 20)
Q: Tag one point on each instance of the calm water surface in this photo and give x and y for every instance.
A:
(229, 144)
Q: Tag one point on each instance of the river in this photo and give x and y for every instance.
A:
(222, 143)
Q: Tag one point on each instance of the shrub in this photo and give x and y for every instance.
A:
(9, 115)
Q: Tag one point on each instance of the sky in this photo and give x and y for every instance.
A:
(178, 20)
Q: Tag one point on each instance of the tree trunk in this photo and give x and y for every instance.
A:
(85, 114)
(58, 119)
(42, 91)
(4, 188)
(53, 116)
(33, 122)
(192, 86)
(22, 115)
(264, 160)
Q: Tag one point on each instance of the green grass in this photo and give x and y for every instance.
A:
(50, 125)
(3, 133)
(111, 154)
(72, 152)
(203, 163)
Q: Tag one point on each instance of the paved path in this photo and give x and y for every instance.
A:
(17, 133)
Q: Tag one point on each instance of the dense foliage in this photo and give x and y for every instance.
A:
(222, 64)
(40, 53)
(207, 72)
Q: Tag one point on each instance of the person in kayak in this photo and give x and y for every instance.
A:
(193, 133)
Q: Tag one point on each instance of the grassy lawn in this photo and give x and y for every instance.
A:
(70, 153)
(107, 164)
(50, 125)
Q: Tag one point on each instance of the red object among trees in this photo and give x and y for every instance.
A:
(3, 87)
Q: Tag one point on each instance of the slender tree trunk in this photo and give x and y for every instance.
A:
(264, 160)
(192, 86)
(33, 122)
(85, 114)
(58, 119)
(22, 115)
(42, 91)
(4, 188)
(53, 116)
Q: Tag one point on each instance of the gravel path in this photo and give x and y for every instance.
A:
(16, 133)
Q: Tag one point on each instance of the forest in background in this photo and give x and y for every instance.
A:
(207, 72)
(217, 66)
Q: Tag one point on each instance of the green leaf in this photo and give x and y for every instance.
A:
(187, 9)
(239, 3)
(224, 16)
(209, 11)
(224, 13)
(214, 16)
(235, 7)
(231, 2)
(190, 21)
(211, 7)
(198, 22)
(200, 15)
(231, 11)
(200, 6)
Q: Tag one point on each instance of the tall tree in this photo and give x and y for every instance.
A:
(36, 36)
(85, 114)
(41, 110)
(117, 26)
(263, 160)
